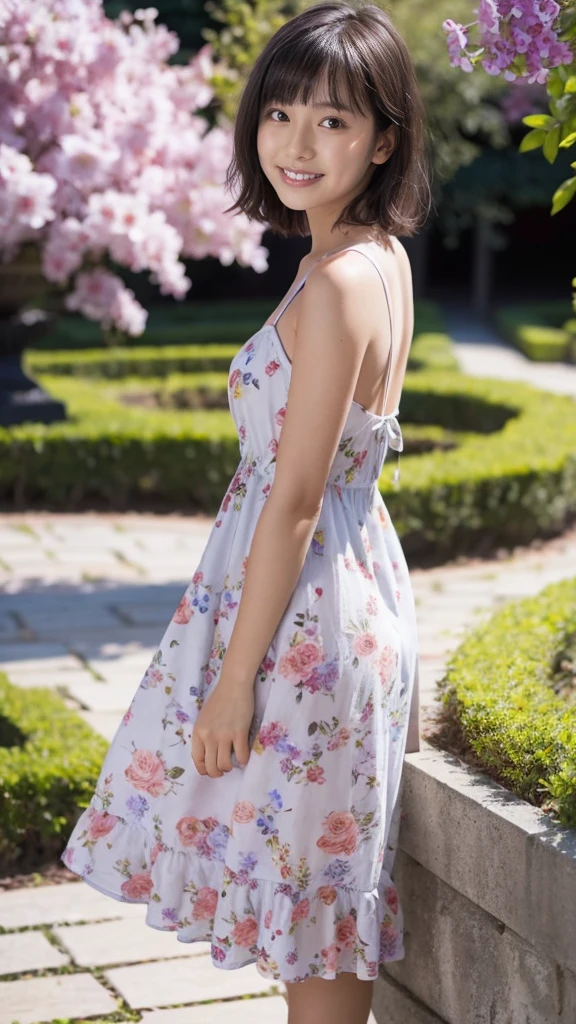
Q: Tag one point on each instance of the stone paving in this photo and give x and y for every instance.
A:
(84, 600)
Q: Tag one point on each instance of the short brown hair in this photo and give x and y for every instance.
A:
(358, 46)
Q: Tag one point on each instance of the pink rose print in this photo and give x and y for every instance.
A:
(183, 613)
(147, 772)
(198, 576)
(372, 605)
(346, 931)
(272, 734)
(316, 774)
(387, 665)
(372, 968)
(156, 849)
(330, 955)
(300, 911)
(298, 662)
(127, 717)
(137, 887)
(190, 830)
(244, 812)
(340, 739)
(326, 893)
(340, 833)
(279, 417)
(273, 445)
(245, 933)
(205, 904)
(268, 919)
(101, 823)
(234, 377)
(271, 367)
(365, 643)
(391, 897)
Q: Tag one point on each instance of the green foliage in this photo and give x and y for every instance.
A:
(530, 328)
(49, 764)
(504, 687)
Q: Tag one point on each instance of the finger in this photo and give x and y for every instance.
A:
(241, 748)
(211, 747)
(224, 756)
(198, 753)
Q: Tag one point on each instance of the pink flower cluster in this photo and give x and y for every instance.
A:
(105, 158)
(518, 38)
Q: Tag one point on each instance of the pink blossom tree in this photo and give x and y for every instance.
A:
(106, 158)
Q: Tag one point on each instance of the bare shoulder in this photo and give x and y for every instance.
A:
(342, 283)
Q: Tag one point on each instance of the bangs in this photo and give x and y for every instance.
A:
(321, 68)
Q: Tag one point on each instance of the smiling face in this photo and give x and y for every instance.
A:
(334, 142)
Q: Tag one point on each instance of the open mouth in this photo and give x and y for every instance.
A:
(299, 178)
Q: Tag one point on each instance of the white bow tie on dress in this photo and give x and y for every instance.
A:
(393, 434)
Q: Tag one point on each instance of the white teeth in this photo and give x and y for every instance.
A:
(299, 177)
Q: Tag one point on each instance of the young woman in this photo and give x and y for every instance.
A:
(251, 793)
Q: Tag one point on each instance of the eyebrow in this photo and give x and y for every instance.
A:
(335, 106)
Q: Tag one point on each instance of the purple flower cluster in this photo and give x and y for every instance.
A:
(518, 38)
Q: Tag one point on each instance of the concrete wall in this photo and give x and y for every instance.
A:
(488, 888)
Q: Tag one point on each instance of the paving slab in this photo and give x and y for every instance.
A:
(258, 1010)
(28, 951)
(103, 722)
(69, 902)
(123, 942)
(105, 696)
(170, 982)
(29, 1001)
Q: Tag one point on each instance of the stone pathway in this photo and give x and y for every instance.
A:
(482, 353)
(84, 599)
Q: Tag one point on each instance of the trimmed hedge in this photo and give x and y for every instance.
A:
(539, 330)
(502, 695)
(510, 478)
(49, 764)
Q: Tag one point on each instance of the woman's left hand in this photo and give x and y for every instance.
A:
(223, 722)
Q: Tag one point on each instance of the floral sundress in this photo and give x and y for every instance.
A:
(286, 862)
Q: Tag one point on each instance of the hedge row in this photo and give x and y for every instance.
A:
(508, 692)
(511, 476)
(543, 332)
(49, 764)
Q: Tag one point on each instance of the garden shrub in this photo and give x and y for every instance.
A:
(509, 695)
(49, 764)
(537, 330)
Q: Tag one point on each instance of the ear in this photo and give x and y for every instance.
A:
(386, 145)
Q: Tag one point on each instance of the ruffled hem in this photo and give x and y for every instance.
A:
(289, 934)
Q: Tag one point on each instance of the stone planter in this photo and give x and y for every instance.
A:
(22, 288)
(488, 887)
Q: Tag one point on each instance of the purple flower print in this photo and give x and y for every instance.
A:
(182, 716)
(137, 805)
(265, 823)
(217, 954)
(322, 678)
(291, 956)
(336, 871)
(275, 800)
(170, 914)
(248, 861)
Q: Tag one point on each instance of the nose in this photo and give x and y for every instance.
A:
(300, 145)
